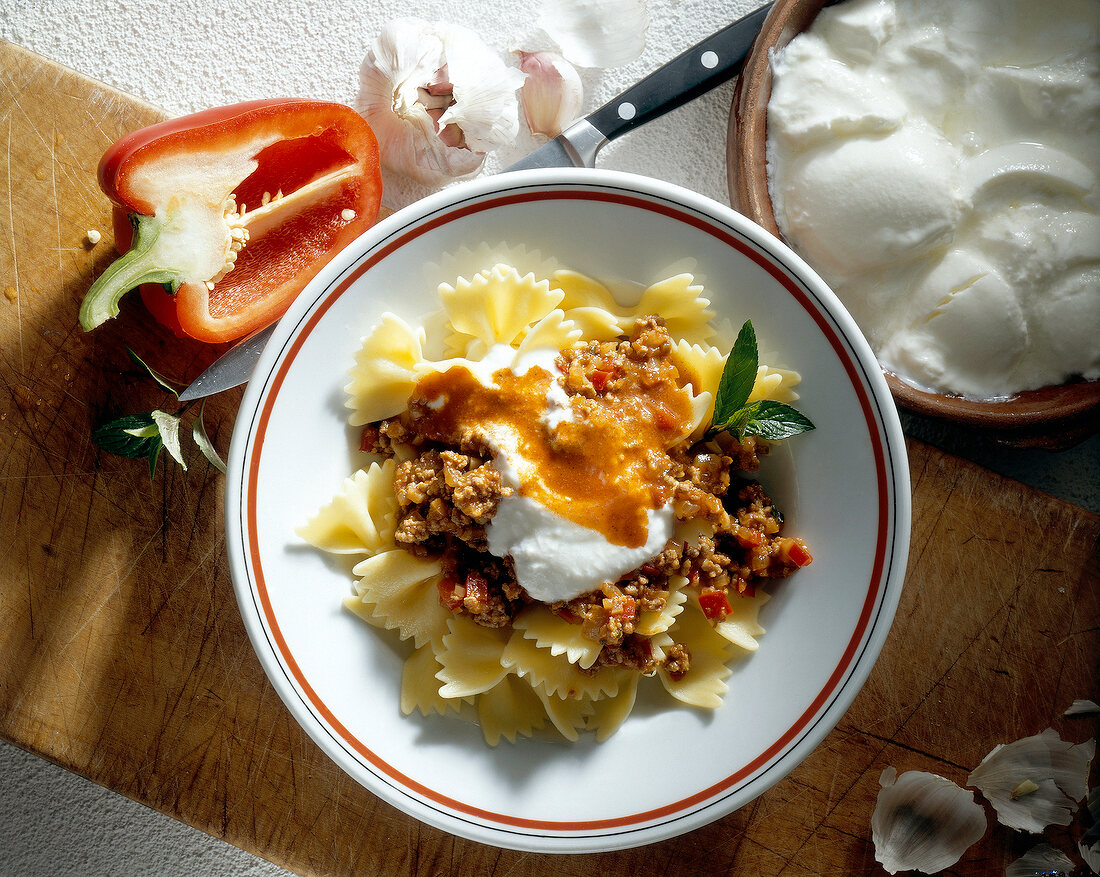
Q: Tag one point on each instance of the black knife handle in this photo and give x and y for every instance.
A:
(702, 67)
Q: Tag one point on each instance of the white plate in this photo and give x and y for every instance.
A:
(669, 769)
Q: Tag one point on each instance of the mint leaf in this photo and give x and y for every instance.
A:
(168, 426)
(735, 414)
(147, 434)
(166, 384)
(129, 436)
(775, 421)
(738, 377)
(198, 430)
(154, 454)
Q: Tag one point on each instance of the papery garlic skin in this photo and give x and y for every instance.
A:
(552, 94)
(1041, 859)
(597, 33)
(923, 822)
(1058, 769)
(1089, 845)
(437, 98)
(1082, 708)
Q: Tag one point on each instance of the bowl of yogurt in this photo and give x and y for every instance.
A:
(937, 164)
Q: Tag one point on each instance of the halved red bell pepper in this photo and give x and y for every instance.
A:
(233, 210)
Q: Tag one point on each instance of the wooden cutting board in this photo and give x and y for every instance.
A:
(125, 660)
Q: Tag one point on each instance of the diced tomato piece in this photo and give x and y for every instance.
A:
(451, 593)
(665, 419)
(715, 605)
(477, 588)
(599, 379)
(797, 553)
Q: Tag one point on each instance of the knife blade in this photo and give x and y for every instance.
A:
(707, 64)
(231, 369)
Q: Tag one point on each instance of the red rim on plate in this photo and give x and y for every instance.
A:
(723, 794)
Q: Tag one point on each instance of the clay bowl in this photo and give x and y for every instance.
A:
(1054, 417)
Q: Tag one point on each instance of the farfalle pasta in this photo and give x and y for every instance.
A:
(548, 521)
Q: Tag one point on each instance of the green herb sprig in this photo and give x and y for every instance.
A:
(145, 435)
(734, 413)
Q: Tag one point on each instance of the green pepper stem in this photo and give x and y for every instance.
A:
(130, 270)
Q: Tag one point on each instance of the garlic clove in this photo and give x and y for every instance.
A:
(923, 822)
(597, 33)
(1042, 860)
(437, 98)
(552, 94)
(1036, 781)
(485, 104)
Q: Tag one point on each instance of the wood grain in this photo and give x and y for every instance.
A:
(125, 659)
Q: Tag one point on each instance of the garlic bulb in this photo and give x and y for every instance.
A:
(552, 94)
(1036, 781)
(596, 33)
(437, 98)
(923, 822)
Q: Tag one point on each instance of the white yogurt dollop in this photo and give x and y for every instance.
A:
(555, 559)
(937, 163)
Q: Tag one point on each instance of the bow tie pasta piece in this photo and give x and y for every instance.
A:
(561, 637)
(420, 687)
(589, 304)
(471, 658)
(360, 518)
(700, 366)
(497, 306)
(385, 371)
(705, 685)
(510, 709)
(775, 383)
(655, 621)
(742, 626)
(568, 715)
(609, 713)
(679, 300)
(397, 591)
(559, 677)
(552, 332)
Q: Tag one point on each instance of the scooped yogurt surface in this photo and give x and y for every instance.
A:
(937, 163)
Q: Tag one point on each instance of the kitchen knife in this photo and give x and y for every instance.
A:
(696, 71)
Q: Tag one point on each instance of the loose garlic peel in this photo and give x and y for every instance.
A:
(597, 33)
(552, 93)
(1057, 770)
(923, 822)
(1041, 859)
(437, 98)
(1089, 845)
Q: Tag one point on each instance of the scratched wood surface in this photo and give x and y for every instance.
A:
(125, 660)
